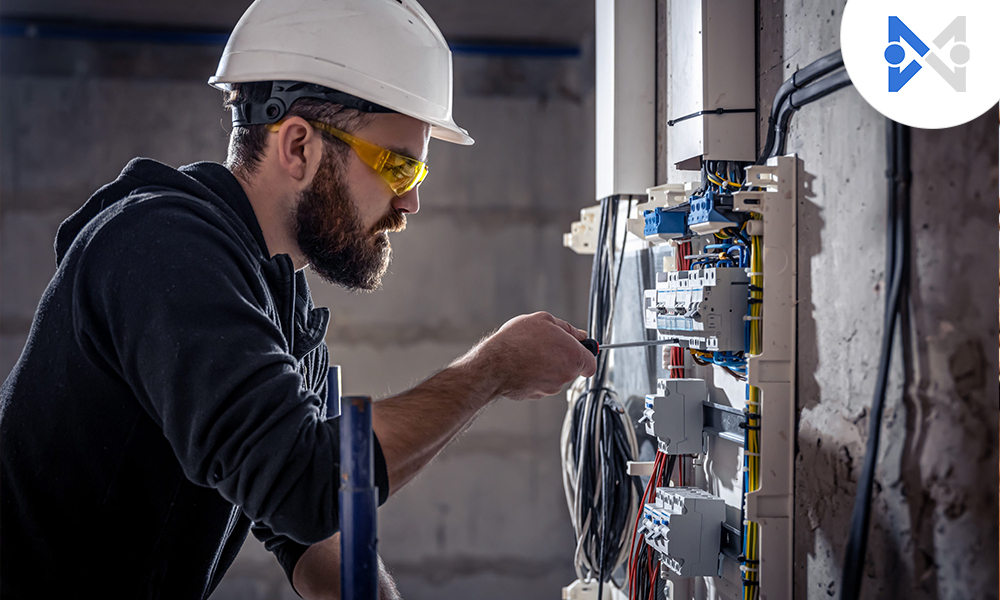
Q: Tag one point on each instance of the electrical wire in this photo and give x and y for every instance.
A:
(598, 438)
(801, 78)
(800, 98)
(897, 251)
(643, 562)
(750, 560)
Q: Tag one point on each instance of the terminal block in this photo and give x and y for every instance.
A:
(701, 308)
(684, 525)
(582, 236)
(712, 212)
(664, 224)
(675, 415)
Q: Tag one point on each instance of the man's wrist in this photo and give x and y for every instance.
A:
(480, 368)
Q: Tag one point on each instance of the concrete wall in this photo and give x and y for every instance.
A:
(488, 518)
(935, 503)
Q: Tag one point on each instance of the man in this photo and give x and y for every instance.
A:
(172, 389)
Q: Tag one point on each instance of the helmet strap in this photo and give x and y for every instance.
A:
(284, 93)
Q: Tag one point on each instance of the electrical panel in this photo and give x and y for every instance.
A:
(700, 308)
(718, 488)
(674, 416)
(711, 92)
(684, 525)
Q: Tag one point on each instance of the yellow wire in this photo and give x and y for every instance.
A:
(753, 407)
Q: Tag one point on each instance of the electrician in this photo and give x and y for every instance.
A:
(171, 394)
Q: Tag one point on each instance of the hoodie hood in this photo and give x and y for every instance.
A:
(207, 181)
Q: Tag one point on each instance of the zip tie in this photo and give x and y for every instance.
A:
(674, 367)
(749, 318)
(748, 453)
(755, 274)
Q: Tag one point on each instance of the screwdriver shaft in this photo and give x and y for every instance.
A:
(638, 344)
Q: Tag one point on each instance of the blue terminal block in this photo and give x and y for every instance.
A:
(666, 224)
(705, 216)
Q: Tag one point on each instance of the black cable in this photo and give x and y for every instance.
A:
(801, 78)
(898, 159)
(599, 441)
(800, 98)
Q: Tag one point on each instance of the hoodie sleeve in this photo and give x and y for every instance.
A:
(165, 297)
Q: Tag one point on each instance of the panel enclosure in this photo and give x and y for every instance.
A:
(710, 67)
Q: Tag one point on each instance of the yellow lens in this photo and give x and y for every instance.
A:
(402, 173)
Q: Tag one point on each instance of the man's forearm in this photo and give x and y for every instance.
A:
(415, 426)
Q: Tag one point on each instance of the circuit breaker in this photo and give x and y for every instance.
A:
(684, 525)
(675, 415)
(701, 308)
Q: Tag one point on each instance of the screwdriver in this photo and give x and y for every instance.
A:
(592, 345)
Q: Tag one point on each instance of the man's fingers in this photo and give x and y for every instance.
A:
(590, 365)
(573, 331)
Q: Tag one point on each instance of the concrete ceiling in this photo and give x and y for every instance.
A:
(564, 21)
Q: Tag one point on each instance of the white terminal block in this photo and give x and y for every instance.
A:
(702, 308)
(675, 416)
(582, 236)
(684, 525)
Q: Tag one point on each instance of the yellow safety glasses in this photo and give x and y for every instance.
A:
(402, 173)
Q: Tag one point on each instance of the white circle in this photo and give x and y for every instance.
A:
(929, 94)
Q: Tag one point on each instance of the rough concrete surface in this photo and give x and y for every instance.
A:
(934, 508)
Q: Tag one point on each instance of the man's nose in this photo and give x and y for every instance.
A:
(409, 202)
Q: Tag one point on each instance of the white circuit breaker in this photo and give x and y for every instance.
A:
(684, 525)
(675, 415)
(701, 308)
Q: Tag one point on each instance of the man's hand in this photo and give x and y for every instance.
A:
(533, 356)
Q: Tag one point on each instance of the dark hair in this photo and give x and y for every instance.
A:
(247, 143)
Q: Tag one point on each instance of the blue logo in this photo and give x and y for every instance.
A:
(895, 54)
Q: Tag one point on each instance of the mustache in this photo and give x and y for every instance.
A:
(392, 222)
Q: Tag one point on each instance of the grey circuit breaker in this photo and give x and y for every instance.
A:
(702, 308)
(684, 525)
(675, 415)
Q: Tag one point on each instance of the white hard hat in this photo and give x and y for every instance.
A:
(387, 52)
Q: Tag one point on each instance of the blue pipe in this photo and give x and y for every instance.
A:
(119, 32)
(358, 501)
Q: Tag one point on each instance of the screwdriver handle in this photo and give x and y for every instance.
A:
(592, 345)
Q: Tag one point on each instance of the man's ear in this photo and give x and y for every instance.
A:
(299, 150)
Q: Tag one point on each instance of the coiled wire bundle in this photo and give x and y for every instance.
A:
(598, 439)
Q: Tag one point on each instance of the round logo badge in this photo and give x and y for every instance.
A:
(924, 63)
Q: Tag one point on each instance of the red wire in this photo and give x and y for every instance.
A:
(651, 485)
(652, 580)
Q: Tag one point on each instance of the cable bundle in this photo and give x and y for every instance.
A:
(751, 454)
(598, 439)
(897, 275)
(643, 564)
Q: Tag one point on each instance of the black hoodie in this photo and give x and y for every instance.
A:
(172, 389)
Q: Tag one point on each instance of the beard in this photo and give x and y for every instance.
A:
(331, 235)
